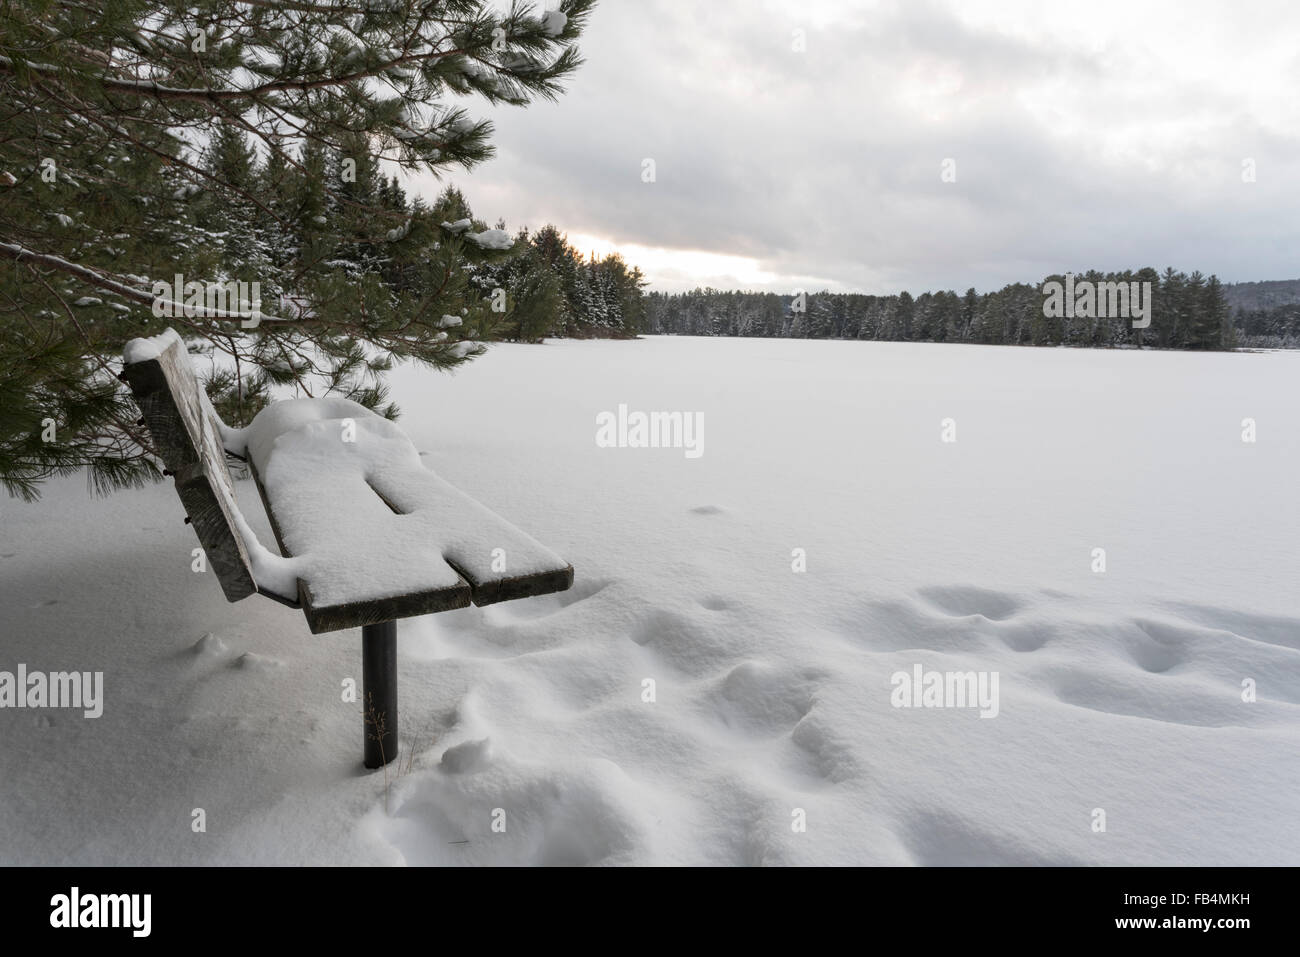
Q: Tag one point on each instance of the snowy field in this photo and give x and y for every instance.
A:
(1119, 690)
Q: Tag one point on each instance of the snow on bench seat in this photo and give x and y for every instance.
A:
(372, 531)
(368, 534)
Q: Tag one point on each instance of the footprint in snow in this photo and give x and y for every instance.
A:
(467, 756)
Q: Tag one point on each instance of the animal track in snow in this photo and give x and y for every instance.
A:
(762, 699)
(1163, 647)
(1024, 637)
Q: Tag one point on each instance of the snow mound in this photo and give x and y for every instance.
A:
(519, 813)
(210, 646)
(141, 350)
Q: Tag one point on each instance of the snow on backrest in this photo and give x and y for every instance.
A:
(187, 435)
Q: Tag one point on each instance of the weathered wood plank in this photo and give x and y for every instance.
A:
(491, 591)
(189, 442)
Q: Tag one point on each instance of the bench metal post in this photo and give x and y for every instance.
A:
(379, 685)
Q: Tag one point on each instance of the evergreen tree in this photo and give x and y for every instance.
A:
(969, 304)
(1209, 323)
(129, 125)
(1169, 303)
(538, 304)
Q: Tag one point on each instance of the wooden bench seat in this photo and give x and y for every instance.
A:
(382, 536)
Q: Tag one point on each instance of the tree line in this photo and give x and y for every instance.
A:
(1186, 312)
(1274, 328)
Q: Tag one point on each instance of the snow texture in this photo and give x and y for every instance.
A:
(141, 350)
(331, 467)
(1120, 691)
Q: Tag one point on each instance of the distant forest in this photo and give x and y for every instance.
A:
(1187, 312)
(1266, 314)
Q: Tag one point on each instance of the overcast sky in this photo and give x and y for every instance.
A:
(1093, 134)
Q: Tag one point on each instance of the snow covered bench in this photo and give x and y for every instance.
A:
(367, 533)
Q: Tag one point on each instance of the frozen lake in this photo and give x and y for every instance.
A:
(775, 733)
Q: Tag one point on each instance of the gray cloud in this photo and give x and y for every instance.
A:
(1083, 141)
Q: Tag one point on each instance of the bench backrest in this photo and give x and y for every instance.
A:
(187, 435)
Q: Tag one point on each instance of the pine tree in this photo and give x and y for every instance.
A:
(632, 299)
(538, 304)
(970, 302)
(904, 310)
(1167, 312)
(122, 129)
(1212, 329)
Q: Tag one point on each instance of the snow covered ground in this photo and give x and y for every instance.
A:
(1119, 691)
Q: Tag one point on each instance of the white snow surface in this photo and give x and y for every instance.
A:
(331, 466)
(1120, 691)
